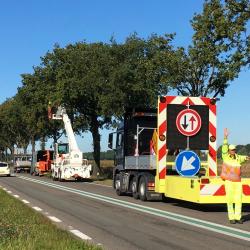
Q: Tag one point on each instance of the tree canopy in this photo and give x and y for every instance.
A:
(219, 49)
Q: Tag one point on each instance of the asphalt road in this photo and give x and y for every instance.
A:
(99, 215)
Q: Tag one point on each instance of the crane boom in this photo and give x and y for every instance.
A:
(62, 115)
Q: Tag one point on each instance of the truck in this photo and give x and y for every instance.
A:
(43, 160)
(22, 163)
(170, 152)
(68, 163)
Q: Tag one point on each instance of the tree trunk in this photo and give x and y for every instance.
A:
(42, 143)
(25, 149)
(12, 151)
(33, 150)
(94, 129)
(6, 154)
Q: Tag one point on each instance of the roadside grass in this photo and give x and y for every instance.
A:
(21, 228)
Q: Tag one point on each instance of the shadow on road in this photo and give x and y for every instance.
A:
(206, 207)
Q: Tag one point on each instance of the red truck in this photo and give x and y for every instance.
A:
(44, 158)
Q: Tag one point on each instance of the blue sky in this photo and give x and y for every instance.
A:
(28, 29)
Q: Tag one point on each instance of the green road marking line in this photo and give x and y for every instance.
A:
(234, 232)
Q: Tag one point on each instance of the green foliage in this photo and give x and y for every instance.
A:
(137, 77)
(219, 51)
(108, 155)
(240, 149)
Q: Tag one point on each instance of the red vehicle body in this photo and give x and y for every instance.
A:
(44, 160)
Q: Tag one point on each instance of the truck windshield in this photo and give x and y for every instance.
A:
(63, 148)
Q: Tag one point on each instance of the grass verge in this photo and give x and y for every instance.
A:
(24, 229)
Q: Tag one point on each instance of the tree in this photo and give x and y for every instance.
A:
(219, 51)
(97, 81)
(137, 75)
(82, 73)
(33, 98)
(12, 127)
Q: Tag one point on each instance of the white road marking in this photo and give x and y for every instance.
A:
(97, 184)
(9, 192)
(37, 208)
(80, 234)
(53, 218)
(5, 189)
(26, 202)
(15, 195)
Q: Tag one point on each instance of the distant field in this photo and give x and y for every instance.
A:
(21, 228)
(107, 163)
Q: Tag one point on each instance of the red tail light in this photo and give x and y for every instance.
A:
(151, 184)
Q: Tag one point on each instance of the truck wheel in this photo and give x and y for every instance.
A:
(142, 189)
(118, 185)
(134, 189)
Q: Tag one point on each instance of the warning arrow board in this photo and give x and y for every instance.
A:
(188, 122)
(187, 163)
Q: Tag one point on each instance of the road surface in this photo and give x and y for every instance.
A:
(94, 212)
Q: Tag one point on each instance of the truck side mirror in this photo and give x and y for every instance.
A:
(110, 143)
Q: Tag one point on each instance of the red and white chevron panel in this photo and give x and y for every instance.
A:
(219, 189)
(162, 148)
(212, 189)
(162, 130)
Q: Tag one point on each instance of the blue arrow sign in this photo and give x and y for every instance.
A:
(187, 163)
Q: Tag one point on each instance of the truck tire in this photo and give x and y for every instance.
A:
(142, 189)
(118, 185)
(134, 189)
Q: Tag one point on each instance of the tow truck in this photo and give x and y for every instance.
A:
(170, 152)
(68, 163)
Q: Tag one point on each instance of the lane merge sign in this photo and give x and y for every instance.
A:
(188, 122)
(187, 163)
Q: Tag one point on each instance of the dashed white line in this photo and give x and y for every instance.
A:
(37, 208)
(54, 219)
(10, 192)
(4, 189)
(15, 195)
(80, 234)
(26, 202)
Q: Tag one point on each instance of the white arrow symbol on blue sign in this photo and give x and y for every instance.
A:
(187, 164)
